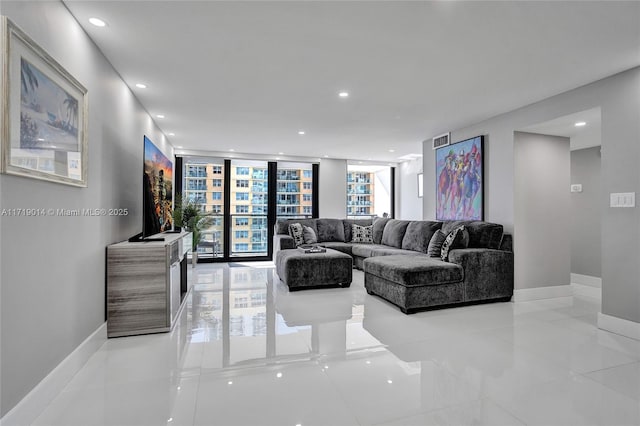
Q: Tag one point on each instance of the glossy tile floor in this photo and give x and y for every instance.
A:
(248, 352)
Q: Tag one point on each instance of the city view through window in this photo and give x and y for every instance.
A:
(368, 190)
(204, 183)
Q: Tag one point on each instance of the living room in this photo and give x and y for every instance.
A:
(51, 312)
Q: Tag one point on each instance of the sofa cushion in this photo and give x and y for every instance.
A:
(391, 251)
(282, 225)
(418, 235)
(296, 232)
(379, 224)
(362, 234)
(348, 226)
(413, 270)
(309, 235)
(394, 232)
(435, 244)
(481, 234)
(365, 250)
(455, 239)
(330, 230)
(338, 246)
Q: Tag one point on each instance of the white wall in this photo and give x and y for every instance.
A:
(409, 204)
(333, 188)
(619, 99)
(52, 269)
(542, 251)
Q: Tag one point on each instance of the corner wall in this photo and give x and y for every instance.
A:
(52, 270)
(333, 188)
(542, 251)
(586, 239)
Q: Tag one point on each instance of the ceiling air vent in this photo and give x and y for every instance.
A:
(441, 140)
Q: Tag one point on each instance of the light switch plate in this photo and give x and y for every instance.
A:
(576, 187)
(622, 199)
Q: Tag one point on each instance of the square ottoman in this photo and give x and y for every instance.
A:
(300, 270)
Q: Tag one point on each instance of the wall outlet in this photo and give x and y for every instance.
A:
(576, 187)
(622, 199)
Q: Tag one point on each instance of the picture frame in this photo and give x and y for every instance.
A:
(460, 180)
(44, 116)
(420, 185)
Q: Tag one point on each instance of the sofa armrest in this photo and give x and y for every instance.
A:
(282, 242)
(488, 273)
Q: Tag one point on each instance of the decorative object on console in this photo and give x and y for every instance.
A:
(190, 216)
(459, 180)
(362, 234)
(44, 113)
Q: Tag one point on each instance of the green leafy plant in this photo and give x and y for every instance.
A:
(190, 216)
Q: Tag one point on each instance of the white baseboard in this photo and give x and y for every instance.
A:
(35, 402)
(586, 290)
(586, 280)
(537, 293)
(619, 326)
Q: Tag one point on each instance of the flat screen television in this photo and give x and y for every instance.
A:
(157, 188)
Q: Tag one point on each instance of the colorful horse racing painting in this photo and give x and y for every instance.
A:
(459, 180)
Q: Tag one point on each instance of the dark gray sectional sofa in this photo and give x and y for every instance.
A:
(398, 269)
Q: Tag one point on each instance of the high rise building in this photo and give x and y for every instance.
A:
(360, 193)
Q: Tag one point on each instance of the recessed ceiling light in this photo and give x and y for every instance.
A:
(281, 153)
(359, 162)
(301, 132)
(231, 149)
(326, 156)
(392, 150)
(279, 375)
(98, 22)
(141, 86)
(581, 123)
(160, 116)
(343, 94)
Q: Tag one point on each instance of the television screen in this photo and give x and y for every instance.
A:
(459, 180)
(157, 187)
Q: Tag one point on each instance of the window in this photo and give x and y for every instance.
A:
(217, 170)
(242, 209)
(368, 190)
(259, 174)
(242, 171)
(259, 209)
(307, 197)
(306, 210)
(196, 171)
(259, 199)
(307, 174)
(258, 247)
(242, 183)
(242, 196)
(288, 187)
(306, 185)
(196, 184)
(217, 182)
(242, 234)
(242, 221)
(216, 195)
(241, 247)
(216, 209)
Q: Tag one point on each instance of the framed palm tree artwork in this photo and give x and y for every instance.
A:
(44, 113)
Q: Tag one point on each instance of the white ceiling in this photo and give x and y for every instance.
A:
(249, 75)
(581, 137)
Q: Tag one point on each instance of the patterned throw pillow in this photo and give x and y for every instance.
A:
(362, 234)
(435, 244)
(309, 235)
(453, 240)
(296, 231)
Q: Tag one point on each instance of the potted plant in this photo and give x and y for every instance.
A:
(190, 216)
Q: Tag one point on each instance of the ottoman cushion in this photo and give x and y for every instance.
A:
(413, 270)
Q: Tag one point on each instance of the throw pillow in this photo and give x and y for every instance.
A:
(453, 240)
(295, 230)
(362, 234)
(309, 235)
(435, 244)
